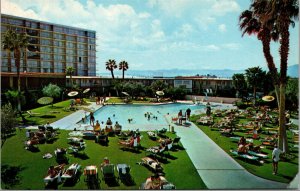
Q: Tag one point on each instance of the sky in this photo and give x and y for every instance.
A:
(160, 34)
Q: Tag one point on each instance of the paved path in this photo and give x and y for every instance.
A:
(216, 168)
(70, 122)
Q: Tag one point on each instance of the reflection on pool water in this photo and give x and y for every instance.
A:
(137, 113)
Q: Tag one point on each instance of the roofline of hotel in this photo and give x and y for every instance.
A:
(45, 22)
(148, 78)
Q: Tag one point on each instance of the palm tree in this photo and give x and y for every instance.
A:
(254, 78)
(111, 65)
(250, 24)
(239, 83)
(123, 66)
(16, 43)
(283, 12)
(70, 71)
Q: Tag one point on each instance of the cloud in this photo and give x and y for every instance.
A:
(212, 47)
(222, 28)
(222, 7)
(184, 30)
(9, 7)
(231, 46)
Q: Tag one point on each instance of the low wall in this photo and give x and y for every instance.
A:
(212, 99)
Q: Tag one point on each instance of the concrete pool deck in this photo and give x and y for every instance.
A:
(217, 169)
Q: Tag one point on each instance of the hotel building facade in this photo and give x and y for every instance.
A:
(52, 48)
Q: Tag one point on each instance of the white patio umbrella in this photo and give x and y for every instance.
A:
(86, 90)
(72, 93)
(125, 93)
(268, 98)
(160, 93)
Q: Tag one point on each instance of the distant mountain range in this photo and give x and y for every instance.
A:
(226, 73)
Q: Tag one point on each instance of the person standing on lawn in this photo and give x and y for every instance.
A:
(275, 158)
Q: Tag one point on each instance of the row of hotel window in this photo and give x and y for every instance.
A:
(35, 33)
(63, 44)
(46, 67)
(48, 27)
(48, 70)
(67, 58)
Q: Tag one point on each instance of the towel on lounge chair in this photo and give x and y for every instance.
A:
(246, 156)
(71, 171)
(153, 164)
(258, 154)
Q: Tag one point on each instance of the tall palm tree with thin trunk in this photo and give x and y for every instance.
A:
(123, 66)
(70, 71)
(250, 24)
(16, 43)
(283, 12)
(111, 65)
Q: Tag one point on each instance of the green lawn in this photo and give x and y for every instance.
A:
(32, 167)
(48, 113)
(287, 169)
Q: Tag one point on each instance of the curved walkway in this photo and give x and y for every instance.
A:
(216, 168)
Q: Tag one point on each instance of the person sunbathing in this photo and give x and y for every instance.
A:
(155, 182)
(105, 162)
(128, 142)
(52, 172)
(242, 149)
(242, 141)
(165, 141)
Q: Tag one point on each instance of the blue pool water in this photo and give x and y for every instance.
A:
(122, 113)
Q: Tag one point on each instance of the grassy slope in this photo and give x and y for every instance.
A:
(179, 168)
(48, 113)
(287, 170)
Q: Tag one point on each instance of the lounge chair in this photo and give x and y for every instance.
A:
(245, 156)
(92, 180)
(260, 155)
(238, 138)
(108, 172)
(152, 135)
(77, 148)
(60, 155)
(156, 151)
(159, 183)
(59, 169)
(30, 144)
(42, 128)
(176, 141)
(154, 165)
(124, 174)
(102, 139)
(74, 140)
(71, 172)
(32, 114)
(129, 144)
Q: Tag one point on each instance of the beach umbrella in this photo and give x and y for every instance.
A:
(268, 98)
(125, 93)
(72, 93)
(86, 90)
(160, 93)
(45, 100)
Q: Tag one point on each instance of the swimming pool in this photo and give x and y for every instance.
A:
(137, 113)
